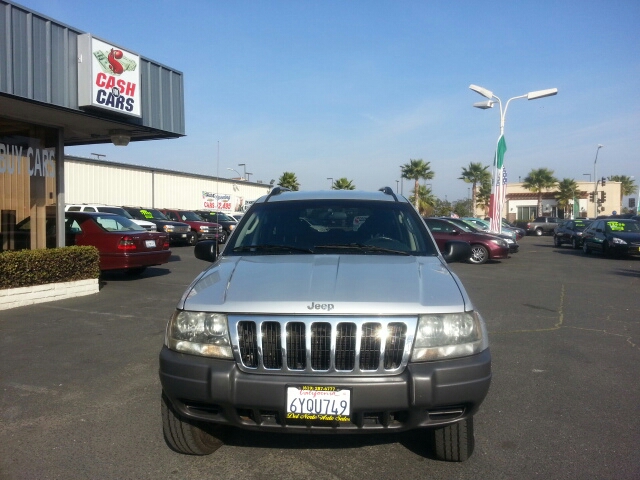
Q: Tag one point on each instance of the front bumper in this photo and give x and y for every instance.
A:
(424, 395)
(181, 237)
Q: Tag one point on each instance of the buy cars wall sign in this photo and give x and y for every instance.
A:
(108, 77)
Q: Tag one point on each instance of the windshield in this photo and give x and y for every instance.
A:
(191, 216)
(118, 211)
(622, 226)
(152, 214)
(331, 227)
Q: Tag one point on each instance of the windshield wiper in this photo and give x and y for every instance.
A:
(362, 247)
(271, 248)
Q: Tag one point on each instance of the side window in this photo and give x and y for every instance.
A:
(90, 209)
(73, 209)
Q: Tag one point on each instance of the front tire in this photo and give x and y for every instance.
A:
(455, 442)
(586, 250)
(479, 254)
(574, 243)
(188, 436)
(557, 242)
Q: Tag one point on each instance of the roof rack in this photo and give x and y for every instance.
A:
(276, 191)
(388, 191)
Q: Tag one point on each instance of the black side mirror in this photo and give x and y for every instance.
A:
(206, 250)
(456, 251)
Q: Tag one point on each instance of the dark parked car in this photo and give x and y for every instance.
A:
(612, 237)
(179, 232)
(227, 221)
(123, 244)
(483, 246)
(570, 232)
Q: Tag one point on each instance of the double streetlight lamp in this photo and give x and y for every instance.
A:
(595, 179)
(496, 211)
(244, 168)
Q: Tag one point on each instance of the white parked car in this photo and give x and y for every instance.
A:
(87, 207)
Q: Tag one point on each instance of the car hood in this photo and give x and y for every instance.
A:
(327, 284)
(630, 237)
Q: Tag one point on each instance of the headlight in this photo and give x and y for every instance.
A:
(500, 242)
(618, 241)
(204, 229)
(199, 333)
(231, 227)
(449, 335)
(168, 228)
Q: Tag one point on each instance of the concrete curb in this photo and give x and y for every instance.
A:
(19, 297)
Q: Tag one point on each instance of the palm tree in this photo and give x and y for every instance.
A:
(426, 200)
(343, 184)
(289, 180)
(567, 190)
(475, 174)
(627, 187)
(484, 196)
(417, 170)
(538, 180)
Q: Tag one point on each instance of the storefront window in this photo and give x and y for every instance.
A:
(27, 186)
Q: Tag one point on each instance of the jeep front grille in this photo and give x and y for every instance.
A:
(370, 346)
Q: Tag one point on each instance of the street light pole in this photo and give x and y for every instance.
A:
(234, 170)
(595, 179)
(330, 182)
(244, 166)
(247, 174)
(496, 208)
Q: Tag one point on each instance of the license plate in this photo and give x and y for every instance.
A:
(318, 403)
(184, 235)
(150, 243)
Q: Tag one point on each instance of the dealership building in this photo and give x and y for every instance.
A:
(60, 86)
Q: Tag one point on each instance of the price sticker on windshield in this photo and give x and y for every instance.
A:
(320, 403)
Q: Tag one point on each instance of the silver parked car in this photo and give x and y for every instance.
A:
(326, 312)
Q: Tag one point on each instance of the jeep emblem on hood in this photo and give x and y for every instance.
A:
(320, 306)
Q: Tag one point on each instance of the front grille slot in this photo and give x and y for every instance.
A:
(321, 346)
(340, 346)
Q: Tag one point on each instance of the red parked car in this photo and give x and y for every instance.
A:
(483, 246)
(123, 244)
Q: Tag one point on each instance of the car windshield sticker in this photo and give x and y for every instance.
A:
(615, 226)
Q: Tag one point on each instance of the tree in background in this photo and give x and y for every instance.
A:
(343, 184)
(475, 174)
(289, 180)
(417, 170)
(627, 187)
(483, 197)
(567, 190)
(426, 200)
(537, 181)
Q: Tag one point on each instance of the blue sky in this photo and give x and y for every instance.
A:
(357, 88)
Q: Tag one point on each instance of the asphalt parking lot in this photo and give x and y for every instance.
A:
(81, 396)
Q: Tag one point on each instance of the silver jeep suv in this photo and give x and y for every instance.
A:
(326, 312)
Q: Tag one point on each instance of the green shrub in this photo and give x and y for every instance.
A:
(25, 268)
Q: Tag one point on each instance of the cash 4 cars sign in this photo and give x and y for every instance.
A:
(108, 77)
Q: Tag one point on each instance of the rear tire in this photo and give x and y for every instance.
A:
(188, 436)
(455, 442)
(538, 232)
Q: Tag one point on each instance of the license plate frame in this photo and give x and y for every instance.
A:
(318, 403)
